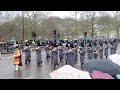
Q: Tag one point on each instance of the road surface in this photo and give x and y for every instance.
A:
(30, 71)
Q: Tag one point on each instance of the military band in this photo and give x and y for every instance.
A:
(70, 53)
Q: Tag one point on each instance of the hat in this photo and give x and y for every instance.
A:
(16, 47)
(55, 45)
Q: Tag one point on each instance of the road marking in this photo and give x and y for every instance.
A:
(28, 78)
(77, 64)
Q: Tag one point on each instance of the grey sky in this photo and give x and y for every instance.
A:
(64, 14)
(61, 14)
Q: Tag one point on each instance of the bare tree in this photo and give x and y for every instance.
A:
(75, 15)
(106, 24)
(91, 18)
(116, 16)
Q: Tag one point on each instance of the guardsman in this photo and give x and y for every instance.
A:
(106, 47)
(116, 44)
(47, 52)
(52, 54)
(95, 54)
(66, 55)
(61, 53)
(82, 56)
(112, 48)
(71, 56)
(17, 59)
(27, 55)
(55, 57)
(0, 50)
(90, 51)
(38, 54)
(76, 53)
(101, 50)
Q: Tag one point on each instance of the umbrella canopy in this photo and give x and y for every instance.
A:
(118, 76)
(68, 72)
(103, 65)
(115, 58)
(100, 75)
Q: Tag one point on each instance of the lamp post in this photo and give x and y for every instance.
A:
(23, 24)
(54, 32)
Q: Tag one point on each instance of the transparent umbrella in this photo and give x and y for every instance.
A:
(68, 72)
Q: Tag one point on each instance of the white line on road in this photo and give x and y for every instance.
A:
(28, 78)
(78, 64)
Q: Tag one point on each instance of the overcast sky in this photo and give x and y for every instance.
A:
(64, 14)
(61, 14)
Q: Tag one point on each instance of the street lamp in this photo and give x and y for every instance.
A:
(23, 24)
(54, 32)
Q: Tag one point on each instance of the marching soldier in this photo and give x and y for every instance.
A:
(47, 52)
(101, 50)
(71, 56)
(95, 54)
(17, 59)
(82, 56)
(52, 55)
(66, 55)
(27, 55)
(61, 53)
(116, 44)
(106, 49)
(76, 53)
(90, 51)
(39, 58)
(112, 48)
(55, 57)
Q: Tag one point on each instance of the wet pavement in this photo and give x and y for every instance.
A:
(30, 71)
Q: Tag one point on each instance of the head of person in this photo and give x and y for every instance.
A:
(16, 48)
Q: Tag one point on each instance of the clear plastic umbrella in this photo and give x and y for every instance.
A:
(115, 58)
(68, 72)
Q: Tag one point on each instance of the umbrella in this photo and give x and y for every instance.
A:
(100, 75)
(68, 72)
(118, 76)
(115, 58)
(103, 65)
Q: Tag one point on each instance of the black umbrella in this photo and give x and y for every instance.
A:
(103, 65)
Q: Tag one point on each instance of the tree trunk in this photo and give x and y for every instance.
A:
(92, 29)
(117, 33)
